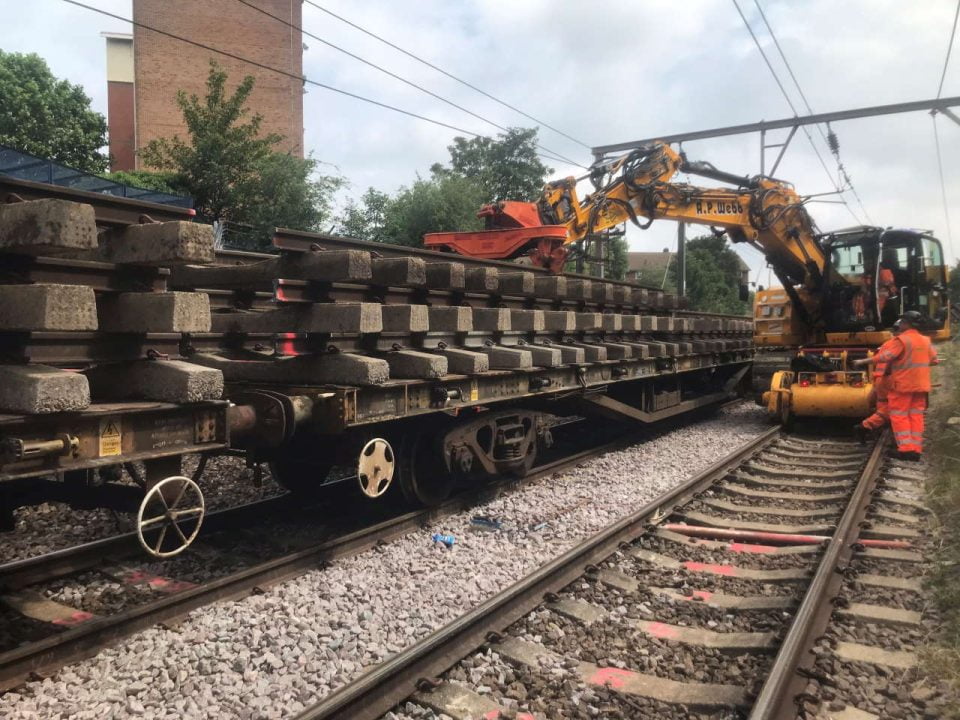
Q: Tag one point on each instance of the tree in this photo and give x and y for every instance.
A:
(506, 167)
(159, 181)
(481, 170)
(953, 284)
(713, 276)
(435, 205)
(292, 195)
(364, 220)
(47, 117)
(614, 248)
(233, 171)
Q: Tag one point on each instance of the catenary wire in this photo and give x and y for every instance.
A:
(833, 147)
(278, 71)
(395, 76)
(786, 96)
(936, 132)
(443, 72)
(946, 61)
(943, 184)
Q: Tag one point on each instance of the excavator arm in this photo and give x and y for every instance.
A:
(639, 188)
(764, 212)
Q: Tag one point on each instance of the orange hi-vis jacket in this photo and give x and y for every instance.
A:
(909, 358)
(881, 370)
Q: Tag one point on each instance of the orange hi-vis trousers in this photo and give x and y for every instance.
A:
(880, 416)
(906, 419)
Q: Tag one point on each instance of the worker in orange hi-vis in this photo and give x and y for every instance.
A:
(909, 360)
(881, 415)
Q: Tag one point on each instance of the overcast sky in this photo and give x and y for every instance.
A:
(606, 73)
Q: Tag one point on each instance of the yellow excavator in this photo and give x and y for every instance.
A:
(841, 292)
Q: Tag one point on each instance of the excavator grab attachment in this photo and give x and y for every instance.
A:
(513, 230)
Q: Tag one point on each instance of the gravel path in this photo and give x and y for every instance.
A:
(40, 529)
(269, 655)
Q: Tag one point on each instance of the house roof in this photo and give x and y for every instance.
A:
(648, 262)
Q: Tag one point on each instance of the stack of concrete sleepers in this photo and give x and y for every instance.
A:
(85, 312)
(345, 317)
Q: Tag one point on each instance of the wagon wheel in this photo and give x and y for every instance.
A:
(302, 466)
(424, 478)
(375, 468)
(170, 516)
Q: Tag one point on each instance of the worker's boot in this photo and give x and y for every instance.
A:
(860, 433)
(907, 455)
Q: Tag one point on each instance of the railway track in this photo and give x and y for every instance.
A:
(286, 540)
(716, 600)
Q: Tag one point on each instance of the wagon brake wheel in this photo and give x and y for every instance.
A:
(375, 467)
(171, 512)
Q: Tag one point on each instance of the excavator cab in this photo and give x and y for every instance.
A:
(873, 276)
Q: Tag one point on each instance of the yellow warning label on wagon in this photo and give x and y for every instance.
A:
(111, 438)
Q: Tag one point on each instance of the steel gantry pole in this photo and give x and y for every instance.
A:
(941, 105)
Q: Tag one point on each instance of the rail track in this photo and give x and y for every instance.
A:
(255, 545)
(653, 617)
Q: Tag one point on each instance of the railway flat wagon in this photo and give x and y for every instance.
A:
(128, 342)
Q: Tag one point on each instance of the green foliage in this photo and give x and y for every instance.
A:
(941, 652)
(616, 265)
(365, 220)
(615, 259)
(435, 205)
(953, 284)
(233, 172)
(481, 170)
(713, 277)
(47, 117)
(506, 167)
(160, 181)
(291, 194)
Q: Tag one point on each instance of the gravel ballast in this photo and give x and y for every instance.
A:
(39, 529)
(271, 654)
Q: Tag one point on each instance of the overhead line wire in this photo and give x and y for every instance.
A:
(936, 132)
(834, 146)
(786, 96)
(279, 71)
(442, 71)
(943, 184)
(395, 76)
(946, 61)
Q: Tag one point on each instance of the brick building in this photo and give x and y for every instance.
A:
(148, 68)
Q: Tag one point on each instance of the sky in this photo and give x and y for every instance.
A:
(606, 73)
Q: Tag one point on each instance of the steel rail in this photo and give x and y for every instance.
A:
(17, 574)
(302, 240)
(110, 210)
(85, 640)
(376, 692)
(774, 700)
